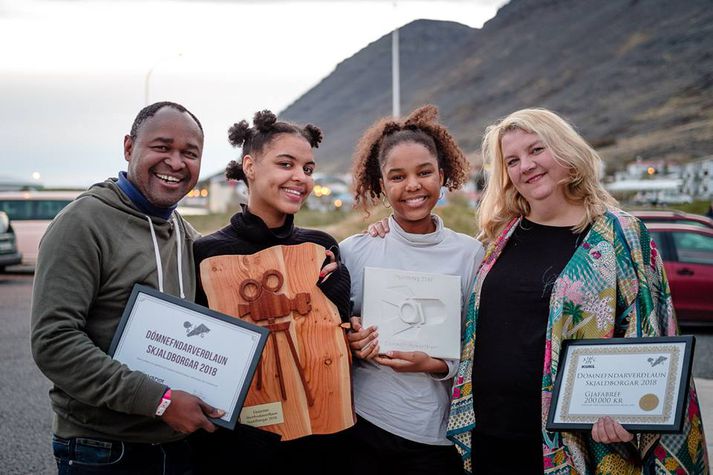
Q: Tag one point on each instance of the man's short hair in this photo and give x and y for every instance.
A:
(150, 111)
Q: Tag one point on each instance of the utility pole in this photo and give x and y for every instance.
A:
(395, 75)
(395, 70)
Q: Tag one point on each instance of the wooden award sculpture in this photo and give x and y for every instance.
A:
(302, 385)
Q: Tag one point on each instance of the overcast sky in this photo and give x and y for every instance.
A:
(73, 73)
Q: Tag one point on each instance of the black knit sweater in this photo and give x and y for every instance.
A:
(247, 234)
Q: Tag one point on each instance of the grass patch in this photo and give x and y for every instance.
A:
(457, 215)
(355, 222)
(459, 218)
(209, 223)
(342, 224)
(697, 207)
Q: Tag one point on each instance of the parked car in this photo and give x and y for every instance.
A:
(9, 255)
(673, 216)
(31, 212)
(687, 253)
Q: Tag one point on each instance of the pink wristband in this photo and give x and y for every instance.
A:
(165, 402)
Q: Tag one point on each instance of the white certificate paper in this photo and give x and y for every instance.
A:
(414, 311)
(640, 382)
(189, 348)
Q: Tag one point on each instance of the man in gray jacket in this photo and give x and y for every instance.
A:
(120, 232)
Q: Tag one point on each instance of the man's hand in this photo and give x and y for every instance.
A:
(412, 362)
(363, 341)
(187, 413)
(609, 431)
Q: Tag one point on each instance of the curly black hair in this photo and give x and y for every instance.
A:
(253, 139)
(420, 127)
(150, 111)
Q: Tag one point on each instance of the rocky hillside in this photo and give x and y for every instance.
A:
(636, 77)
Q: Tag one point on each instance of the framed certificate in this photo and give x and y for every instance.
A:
(640, 382)
(190, 348)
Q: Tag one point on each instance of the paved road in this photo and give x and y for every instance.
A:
(25, 416)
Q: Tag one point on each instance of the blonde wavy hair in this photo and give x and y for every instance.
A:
(501, 202)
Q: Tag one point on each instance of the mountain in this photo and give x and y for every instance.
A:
(635, 77)
(359, 90)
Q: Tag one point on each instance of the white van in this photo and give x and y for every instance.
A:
(31, 212)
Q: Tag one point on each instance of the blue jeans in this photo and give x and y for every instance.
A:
(82, 455)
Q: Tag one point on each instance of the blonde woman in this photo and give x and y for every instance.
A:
(556, 268)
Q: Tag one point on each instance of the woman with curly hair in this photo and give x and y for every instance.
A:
(562, 262)
(277, 164)
(401, 398)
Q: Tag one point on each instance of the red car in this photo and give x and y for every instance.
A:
(687, 253)
(673, 216)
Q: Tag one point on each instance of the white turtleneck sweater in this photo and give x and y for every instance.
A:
(411, 405)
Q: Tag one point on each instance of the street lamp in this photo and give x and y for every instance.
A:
(147, 79)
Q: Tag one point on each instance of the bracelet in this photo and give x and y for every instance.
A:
(165, 402)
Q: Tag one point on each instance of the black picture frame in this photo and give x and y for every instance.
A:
(202, 313)
(681, 398)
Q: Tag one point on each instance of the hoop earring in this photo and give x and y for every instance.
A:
(385, 202)
(442, 193)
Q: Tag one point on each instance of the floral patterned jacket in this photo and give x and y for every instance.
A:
(595, 296)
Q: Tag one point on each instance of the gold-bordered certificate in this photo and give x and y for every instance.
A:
(191, 348)
(640, 382)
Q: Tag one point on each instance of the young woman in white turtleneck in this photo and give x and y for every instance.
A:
(402, 398)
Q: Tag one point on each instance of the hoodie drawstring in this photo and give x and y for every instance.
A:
(157, 254)
(179, 254)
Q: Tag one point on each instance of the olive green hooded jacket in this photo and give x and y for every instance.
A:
(91, 256)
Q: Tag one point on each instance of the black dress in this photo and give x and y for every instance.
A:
(510, 348)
